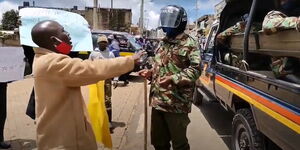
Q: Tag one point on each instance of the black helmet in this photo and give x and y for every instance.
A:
(172, 16)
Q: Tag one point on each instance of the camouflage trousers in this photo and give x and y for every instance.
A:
(282, 66)
(276, 21)
(108, 94)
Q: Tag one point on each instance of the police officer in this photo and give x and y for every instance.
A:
(175, 69)
(285, 19)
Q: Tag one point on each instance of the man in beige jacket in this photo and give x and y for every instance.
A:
(62, 120)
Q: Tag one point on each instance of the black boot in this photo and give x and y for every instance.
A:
(4, 145)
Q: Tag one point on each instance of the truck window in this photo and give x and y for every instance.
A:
(210, 40)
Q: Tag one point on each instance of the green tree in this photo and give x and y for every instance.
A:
(9, 20)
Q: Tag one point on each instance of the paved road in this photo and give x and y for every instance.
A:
(209, 129)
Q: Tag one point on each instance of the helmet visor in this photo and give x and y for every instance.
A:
(170, 17)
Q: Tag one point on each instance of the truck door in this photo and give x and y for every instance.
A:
(207, 74)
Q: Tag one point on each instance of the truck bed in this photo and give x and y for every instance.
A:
(283, 43)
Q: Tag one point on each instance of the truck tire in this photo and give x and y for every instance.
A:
(245, 135)
(197, 98)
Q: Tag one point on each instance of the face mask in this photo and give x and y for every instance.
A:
(63, 47)
(170, 32)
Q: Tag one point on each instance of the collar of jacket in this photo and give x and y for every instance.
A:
(43, 51)
(177, 40)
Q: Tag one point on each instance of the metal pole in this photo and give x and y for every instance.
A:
(146, 115)
(95, 15)
(248, 28)
(142, 17)
(112, 4)
(197, 15)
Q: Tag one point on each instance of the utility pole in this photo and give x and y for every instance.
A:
(197, 10)
(95, 15)
(110, 15)
(142, 18)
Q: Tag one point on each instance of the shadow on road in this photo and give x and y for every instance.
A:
(24, 144)
(131, 79)
(219, 119)
(116, 124)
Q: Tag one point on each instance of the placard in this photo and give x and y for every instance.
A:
(73, 23)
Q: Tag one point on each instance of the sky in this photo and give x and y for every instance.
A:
(152, 7)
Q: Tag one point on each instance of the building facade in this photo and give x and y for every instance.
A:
(108, 19)
(219, 7)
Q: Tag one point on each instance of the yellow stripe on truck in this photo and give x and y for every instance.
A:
(126, 53)
(83, 52)
(263, 108)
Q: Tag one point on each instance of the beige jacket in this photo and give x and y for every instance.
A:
(62, 121)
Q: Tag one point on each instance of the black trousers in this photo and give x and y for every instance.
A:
(30, 111)
(166, 127)
(3, 111)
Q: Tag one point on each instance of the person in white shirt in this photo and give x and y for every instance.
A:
(103, 52)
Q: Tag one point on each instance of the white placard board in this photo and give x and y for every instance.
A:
(73, 23)
(12, 64)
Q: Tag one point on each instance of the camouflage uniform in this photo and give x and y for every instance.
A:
(277, 21)
(237, 28)
(179, 59)
(108, 93)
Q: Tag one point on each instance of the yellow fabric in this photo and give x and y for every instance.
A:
(98, 114)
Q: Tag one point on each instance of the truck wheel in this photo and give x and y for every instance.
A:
(197, 98)
(245, 135)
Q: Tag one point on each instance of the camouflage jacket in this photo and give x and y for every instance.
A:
(179, 59)
(276, 21)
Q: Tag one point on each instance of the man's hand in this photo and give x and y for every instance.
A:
(165, 82)
(146, 73)
(137, 56)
